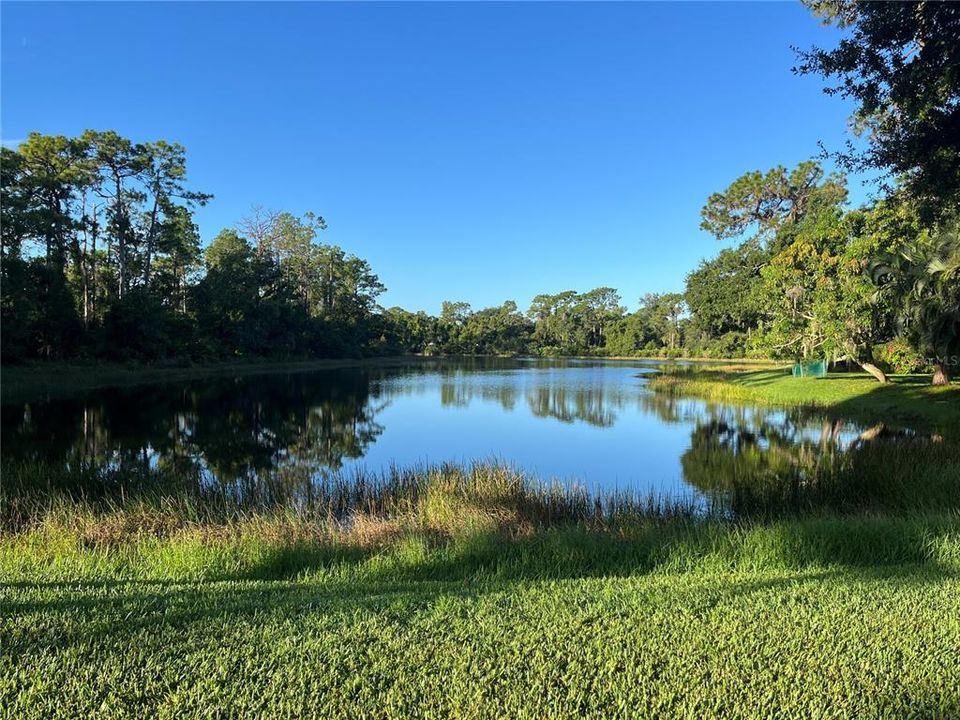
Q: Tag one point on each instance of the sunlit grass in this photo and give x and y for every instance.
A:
(475, 592)
(818, 617)
(906, 398)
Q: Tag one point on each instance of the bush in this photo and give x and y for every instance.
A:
(140, 327)
(898, 356)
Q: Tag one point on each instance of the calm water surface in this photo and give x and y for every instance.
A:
(592, 423)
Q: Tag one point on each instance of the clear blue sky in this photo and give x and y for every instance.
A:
(475, 152)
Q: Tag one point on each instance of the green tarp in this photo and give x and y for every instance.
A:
(817, 368)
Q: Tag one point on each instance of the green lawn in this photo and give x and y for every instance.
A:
(906, 398)
(804, 618)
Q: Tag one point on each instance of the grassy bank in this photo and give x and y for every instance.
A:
(814, 618)
(471, 595)
(907, 398)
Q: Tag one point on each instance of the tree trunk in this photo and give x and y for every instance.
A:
(121, 222)
(875, 371)
(80, 269)
(93, 265)
(941, 376)
(150, 237)
(83, 263)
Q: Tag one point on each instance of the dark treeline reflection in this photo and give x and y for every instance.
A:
(284, 438)
(236, 434)
(775, 462)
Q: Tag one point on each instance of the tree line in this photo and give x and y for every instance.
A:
(100, 255)
(101, 258)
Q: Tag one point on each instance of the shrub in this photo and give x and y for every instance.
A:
(898, 356)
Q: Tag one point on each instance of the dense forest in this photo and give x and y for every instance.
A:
(101, 258)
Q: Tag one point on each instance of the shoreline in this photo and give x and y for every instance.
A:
(21, 381)
(58, 377)
(905, 399)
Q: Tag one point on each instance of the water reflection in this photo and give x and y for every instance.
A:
(770, 462)
(547, 387)
(595, 406)
(279, 435)
(225, 431)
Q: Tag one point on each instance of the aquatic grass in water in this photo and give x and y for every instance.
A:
(452, 521)
(737, 474)
(900, 475)
(445, 497)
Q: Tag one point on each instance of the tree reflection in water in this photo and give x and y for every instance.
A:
(278, 438)
(250, 436)
(752, 461)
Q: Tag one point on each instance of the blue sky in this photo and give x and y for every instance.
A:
(475, 152)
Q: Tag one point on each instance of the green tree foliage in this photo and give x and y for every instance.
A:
(411, 332)
(767, 201)
(632, 335)
(725, 299)
(165, 169)
(664, 314)
(923, 281)
(556, 325)
(799, 283)
(802, 281)
(574, 323)
(499, 330)
(898, 63)
(101, 257)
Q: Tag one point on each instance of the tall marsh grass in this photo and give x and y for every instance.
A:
(440, 499)
(898, 476)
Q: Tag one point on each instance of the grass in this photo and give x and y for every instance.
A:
(906, 399)
(470, 594)
(814, 618)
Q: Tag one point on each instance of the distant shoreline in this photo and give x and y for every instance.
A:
(57, 377)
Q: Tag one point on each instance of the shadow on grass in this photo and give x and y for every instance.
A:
(868, 544)
(757, 378)
(123, 611)
(689, 565)
(172, 624)
(924, 408)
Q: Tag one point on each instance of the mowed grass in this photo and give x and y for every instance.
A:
(442, 617)
(906, 398)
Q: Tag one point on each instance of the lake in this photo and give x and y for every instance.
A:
(590, 423)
